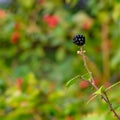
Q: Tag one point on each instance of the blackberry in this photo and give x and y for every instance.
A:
(79, 40)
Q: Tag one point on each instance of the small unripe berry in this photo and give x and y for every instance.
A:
(79, 40)
(83, 84)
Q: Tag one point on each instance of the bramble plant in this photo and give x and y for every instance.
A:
(37, 59)
(101, 91)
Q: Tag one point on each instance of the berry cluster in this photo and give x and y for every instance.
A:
(79, 40)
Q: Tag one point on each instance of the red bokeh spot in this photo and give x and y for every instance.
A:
(96, 81)
(107, 84)
(84, 84)
(15, 37)
(2, 14)
(86, 25)
(51, 20)
(19, 82)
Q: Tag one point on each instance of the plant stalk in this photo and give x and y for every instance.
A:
(104, 94)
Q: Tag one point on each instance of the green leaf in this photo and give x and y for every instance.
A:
(72, 81)
(68, 1)
(112, 86)
(100, 91)
(72, 3)
(60, 54)
(86, 77)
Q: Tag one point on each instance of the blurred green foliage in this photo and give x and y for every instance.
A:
(37, 57)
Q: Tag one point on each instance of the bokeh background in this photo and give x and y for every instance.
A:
(37, 58)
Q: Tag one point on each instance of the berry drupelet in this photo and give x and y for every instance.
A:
(79, 40)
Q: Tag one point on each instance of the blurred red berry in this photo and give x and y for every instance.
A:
(51, 20)
(86, 25)
(2, 14)
(83, 84)
(107, 84)
(96, 81)
(15, 37)
(19, 82)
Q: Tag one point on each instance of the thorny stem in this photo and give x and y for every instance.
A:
(111, 107)
(104, 94)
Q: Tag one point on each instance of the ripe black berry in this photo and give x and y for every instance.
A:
(79, 40)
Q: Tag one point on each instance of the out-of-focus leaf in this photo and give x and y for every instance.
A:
(116, 14)
(60, 54)
(57, 95)
(104, 16)
(2, 86)
(94, 116)
(112, 86)
(31, 79)
(72, 81)
(19, 114)
(26, 3)
(71, 2)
